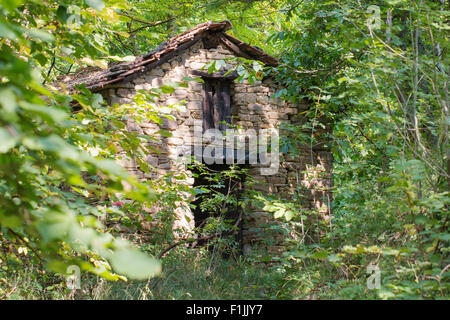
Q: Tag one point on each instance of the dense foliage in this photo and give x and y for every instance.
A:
(377, 72)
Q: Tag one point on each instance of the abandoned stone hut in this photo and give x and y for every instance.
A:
(217, 103)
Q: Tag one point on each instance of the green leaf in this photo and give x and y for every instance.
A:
(420, 219)
(101, 63)
(6, 32)
(10, 5)
(48, 113)
(319, 255)
(135, 264)
(55, 225)
(8, 100)
(167, 89)
(289, 215)
(41, 35)
(96, 4)
(193, 79)
(279, 213)
(7, 140)
(334, 258)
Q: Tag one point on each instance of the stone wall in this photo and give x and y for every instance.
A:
(252, 108)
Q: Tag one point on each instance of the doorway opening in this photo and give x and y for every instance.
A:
(217, 208)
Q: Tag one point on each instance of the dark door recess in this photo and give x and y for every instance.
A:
(229, 210)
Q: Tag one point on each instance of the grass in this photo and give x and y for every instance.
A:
(195, 274)
(187, 274)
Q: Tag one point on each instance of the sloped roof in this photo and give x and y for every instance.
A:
(96, 78)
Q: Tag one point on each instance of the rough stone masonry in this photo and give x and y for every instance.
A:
(252, 108)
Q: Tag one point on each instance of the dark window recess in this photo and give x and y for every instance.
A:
(216, 98)
(216, 103)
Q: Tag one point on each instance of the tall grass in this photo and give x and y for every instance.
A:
(187, 274)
